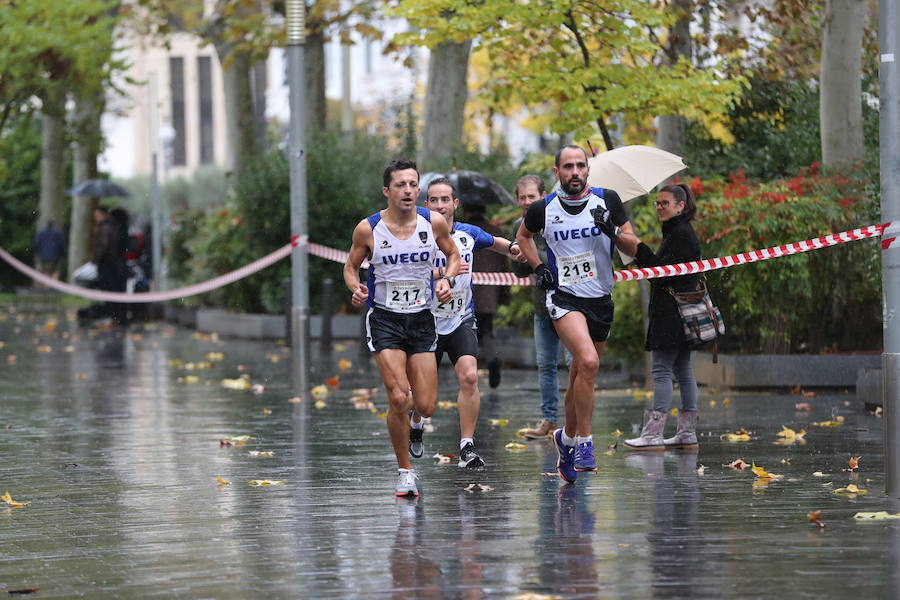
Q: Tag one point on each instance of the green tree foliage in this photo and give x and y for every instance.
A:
(576, 62)
(20, 174)
(344, 186)
(775, 130)
(50, 45)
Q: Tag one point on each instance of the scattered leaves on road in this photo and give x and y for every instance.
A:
(265, 482)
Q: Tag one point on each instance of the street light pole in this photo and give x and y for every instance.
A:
(156, 213)
(889, 117)
(296, 38)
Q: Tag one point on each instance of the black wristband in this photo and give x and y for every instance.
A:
(511, 244)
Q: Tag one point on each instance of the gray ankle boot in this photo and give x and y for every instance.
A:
(651, 435)
(686, 433)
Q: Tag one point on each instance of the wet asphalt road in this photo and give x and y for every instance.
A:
(117, 448)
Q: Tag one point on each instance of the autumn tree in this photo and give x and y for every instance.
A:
(580, 62)
(54, 51)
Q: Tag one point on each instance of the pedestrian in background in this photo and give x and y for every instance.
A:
(671, 355)
(49, 245)
(108, 253)
(486, 297)
(529, 189)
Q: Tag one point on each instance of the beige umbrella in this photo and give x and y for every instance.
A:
(633, 171)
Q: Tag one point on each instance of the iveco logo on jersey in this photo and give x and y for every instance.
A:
(442, 261)
(406, 258)
(575, 234)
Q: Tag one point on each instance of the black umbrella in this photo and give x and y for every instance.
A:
(99, 188)
(471, 188)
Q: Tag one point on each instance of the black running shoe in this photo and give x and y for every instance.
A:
(416, 445)
(469, 458)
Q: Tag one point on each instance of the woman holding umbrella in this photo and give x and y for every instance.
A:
(671, 355)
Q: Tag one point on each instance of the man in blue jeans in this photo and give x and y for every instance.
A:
(530, 188)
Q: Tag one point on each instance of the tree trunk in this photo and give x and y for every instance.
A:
(260, 82)
(240, 129)
(445, 103)
(87, 123)
(840, 92)
(670, 129)
(314, 63)
(53, 164)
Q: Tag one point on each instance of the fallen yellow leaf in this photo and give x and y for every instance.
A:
(763, 474)
(498, 422)
(188, 379)
(674, 412)
(736, 437)
(851, 490)
(726, 402)
(267, 411)
(261, 453)
(214, 356)
(236, 384)
(319, 392)
(617, 433)
(881, 515)
(8, 499)
(265, 482)
(447, 404)
(854, 462)
(222, 481)
(712, 403)
(344, 365)
(788, 433)
(515, 447)
(827, 423)
(320, 404)
(295, 400)
(44, 349)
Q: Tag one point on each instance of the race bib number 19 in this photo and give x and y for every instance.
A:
(405, 295)
(576, 269)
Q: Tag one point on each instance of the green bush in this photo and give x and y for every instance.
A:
(343, 187)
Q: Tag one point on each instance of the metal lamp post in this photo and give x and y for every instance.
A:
(889, 117)
(296, 37)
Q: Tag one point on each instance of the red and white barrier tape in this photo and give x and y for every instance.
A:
(183, 292)
(711, 264)
(890, 233)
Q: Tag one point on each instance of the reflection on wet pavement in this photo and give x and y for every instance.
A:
(114, 438)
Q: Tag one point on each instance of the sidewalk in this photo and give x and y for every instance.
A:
(117, 448)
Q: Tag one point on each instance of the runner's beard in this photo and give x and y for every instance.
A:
(574, 190)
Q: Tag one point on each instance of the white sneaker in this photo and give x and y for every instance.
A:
(406, 484)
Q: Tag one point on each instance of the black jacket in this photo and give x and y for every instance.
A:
(679, 245)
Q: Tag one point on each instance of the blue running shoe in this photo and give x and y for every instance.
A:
(565, 465)
(584, 457)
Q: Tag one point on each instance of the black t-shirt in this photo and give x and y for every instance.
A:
(534, 217)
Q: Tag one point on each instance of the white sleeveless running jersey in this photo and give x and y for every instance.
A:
(400, 270)
(449, 315)
(578, 252)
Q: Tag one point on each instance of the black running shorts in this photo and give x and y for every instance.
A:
(411, 332)
(597, 311)
(461, 341)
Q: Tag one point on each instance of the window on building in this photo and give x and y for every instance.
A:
(176, 84)
(204, 80)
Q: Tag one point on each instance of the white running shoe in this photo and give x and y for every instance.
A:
(406, 483)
